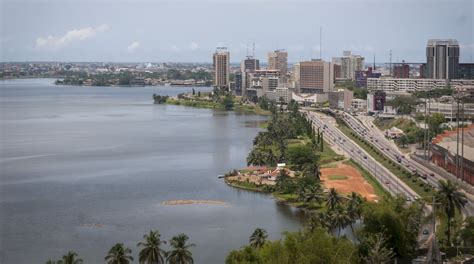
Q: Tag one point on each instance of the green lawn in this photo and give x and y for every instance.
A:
(328, 155)
(413, 182)
(337, 177)
(378, 188)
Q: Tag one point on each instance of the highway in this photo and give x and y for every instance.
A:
(335, 137)
(376, 137)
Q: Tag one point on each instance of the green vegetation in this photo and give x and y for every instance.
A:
(413, 134)
(299, 247)
(421, 188)
(338, 177)
(217, 100)
(405, 104)
(359, 92)
(151, 252)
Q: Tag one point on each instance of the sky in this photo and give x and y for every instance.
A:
(190, 30)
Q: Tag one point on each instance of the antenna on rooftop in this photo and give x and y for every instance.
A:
(390, 62)
(320, 43)
(374, 61)
(253, 50)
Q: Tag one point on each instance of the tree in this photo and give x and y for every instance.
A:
(312, 193)
(378, 253)
(119, 254)
(194, 92)
(228, 102)
(180, 253)
(333, 199)
(258, 238)
(449, 199)
(354, 208)
(70, 258)
(434, 123)
(152, 253)
(246, 255)
(256, 157)
(340, 219)
(467, 232)
(402, 141)
(300, 155)
(312, 170)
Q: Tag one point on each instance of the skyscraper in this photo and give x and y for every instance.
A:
(315, 76)
(278, 60)
(248, 66)
(221, 60)
(442, 59)
(350, 63)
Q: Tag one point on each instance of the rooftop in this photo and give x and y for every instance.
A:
(433, 42)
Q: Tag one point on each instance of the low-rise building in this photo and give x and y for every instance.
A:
(341, 99)
(412, 85)
(446, 106)
(359, 104)
(310, 99)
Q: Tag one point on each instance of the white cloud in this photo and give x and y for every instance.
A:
(51, 42)
(133, 46)
(193, 46)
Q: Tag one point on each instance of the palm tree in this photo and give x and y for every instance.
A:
(119, 254)
(333, 199)
(256, 157)
(354, 208)
(312, 170)
(70, 258)
(152, 253)
(449, 199)
(180, 253)
(313, 194)
(340, 219)
(258, 238)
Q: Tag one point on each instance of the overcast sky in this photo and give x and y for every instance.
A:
(189, 30)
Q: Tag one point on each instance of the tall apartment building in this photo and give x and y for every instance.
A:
(315, 76)
(442, 59)
(248, 66)
(350, 63)
(401, 70)
(278, 60)
(221, 62)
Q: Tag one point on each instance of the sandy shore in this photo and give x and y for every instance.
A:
(181, 202)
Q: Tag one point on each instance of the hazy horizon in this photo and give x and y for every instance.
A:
(189, 31)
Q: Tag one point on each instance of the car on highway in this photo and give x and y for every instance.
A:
(432, 174)
(424, 176)
(426, 232)
(387, 182)
(365, 157)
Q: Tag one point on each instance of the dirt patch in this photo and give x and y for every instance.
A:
(354, 182)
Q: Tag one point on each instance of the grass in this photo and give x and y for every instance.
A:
(378, 188)
(413, 182)
(328, 155)
(329, 165)
(337, 177)
(245, 185)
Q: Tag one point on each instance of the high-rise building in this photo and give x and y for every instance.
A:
(278, 60)
(221, 63)
(401, 70)
(442, 59)
(248, 66)
(350, 63)
(315, 76)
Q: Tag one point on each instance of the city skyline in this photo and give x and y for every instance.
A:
(92, 31)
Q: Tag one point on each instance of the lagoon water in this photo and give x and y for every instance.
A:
(82, 168)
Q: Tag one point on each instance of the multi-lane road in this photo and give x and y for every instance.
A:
(339, 140)
(376, 137)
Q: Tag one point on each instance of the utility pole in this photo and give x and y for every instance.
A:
(457, 136)
(462, 142)
(390, 62)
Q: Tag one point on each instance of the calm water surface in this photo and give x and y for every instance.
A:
(82, 168)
